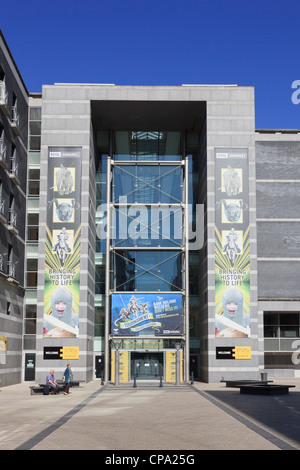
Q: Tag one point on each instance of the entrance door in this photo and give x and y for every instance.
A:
(99, 366)
(29, 366)
(146, 366)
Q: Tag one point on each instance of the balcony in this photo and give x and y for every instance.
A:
(11, 279)
(12, 222)
(2, 211)
(3, 158)
(2, 272)
(15, 121)
(4, 98)
(14, 172)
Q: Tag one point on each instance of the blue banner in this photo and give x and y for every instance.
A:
(146, 315)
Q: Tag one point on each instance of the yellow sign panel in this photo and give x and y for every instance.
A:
(170, 366)
(241, 352)
(3, 343)
(124, 366)
(69, 352)
(113, 366)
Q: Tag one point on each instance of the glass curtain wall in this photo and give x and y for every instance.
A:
(147, 195)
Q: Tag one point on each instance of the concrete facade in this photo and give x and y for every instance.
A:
(66, 121)
(13, 156)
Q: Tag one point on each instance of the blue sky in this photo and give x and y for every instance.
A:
(162, 42)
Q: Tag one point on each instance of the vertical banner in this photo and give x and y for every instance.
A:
(232, 244)
(63, 236)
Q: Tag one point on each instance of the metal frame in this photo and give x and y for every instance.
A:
(184, 248)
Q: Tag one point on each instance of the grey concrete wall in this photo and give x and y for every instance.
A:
(12, 293)
(66, 122)
(230, 124)
(278, 224)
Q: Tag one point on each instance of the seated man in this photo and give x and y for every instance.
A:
(51, 382)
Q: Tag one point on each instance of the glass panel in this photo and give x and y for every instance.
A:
(145, 226)
(289, 319)
(289, 331)
(34, 143)
(32, 264)
(30, 311)
(29, 342)
(32, 234)
(147, 145)
(147, 270)
(33, 188)
(31, 279)
(35, 114)
(30, 327)
(270, 331)
(148, 184)
(35, 127)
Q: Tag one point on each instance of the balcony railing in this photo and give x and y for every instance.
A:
(14, 168)
(14, 171)
(15, 117)
(1, 262)
(2, 148)
(13, 217)
(2, 206)
(3, 93)
(11, 269)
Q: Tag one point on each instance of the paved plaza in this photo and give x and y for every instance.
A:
(149, 417)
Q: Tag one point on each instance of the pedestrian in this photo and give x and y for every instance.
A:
(51, 382)
(67, 378)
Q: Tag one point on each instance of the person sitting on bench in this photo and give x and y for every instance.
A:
(51, 382)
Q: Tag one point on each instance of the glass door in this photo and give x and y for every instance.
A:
(146, 366)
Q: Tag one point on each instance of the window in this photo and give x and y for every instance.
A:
(30, 327)
(33, 182)
(281, 325)
(30, 320)
(32, 227)
(31, 272)
(35, 129)
(147, 145)
(99, 321)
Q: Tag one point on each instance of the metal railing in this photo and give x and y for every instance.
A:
(2, 148)
(15, 117)
(14, 167)
(2, 205)
(11, 269)
(13, 217)
(3, 93)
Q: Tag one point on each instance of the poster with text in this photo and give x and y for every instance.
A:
(232, 244)
(146, 315)
(63, 234)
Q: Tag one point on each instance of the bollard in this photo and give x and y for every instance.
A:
(134, 381)
(102, 381)
(192, 379)
(160, 382)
